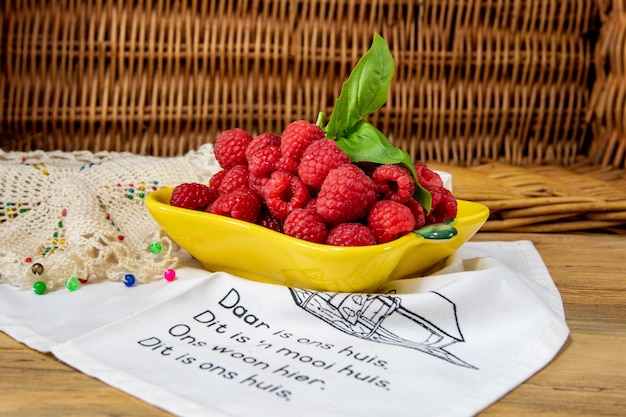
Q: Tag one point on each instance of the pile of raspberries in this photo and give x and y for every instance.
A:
(305, 186)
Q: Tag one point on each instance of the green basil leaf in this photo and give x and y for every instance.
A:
(365, 143)
(365, 90)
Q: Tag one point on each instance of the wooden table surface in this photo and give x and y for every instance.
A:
(587, 378)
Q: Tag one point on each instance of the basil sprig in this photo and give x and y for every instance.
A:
(364, 92)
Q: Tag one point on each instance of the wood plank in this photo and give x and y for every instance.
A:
(586, 379)
(34, 384)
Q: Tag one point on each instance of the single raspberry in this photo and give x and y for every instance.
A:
(297, 136)
(235, 178)
(256, 184)
(264, 161)
(306, 224)
(444, 206)
(284, 193)
(350, 234)
(287, 164)
(346, 195)
(261, 142)
(311, 204)
(427, 177)
(241, 204)
(216, 180)
(192, 195)
(389, 220)
(418, 213)
(318, 159)
(230, 147)
(394, 182)
(267, 220)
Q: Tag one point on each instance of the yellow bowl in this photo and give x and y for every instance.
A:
(257, 253)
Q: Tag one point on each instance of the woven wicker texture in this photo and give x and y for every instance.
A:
(608, 103)
(547, 198)
(476, 82)
(506, 80)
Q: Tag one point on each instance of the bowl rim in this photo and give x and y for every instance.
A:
(156, 201)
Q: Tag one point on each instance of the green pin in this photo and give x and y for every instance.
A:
(156, 248)
(72, 283)
(40, 287)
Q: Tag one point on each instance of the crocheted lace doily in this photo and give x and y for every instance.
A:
(83, 215)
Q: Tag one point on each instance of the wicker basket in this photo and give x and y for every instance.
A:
(474, 79)
(489, 86)
(608, 105)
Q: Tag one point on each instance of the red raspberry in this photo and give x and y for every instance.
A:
(192, 195)
(394, 182)
(427, 177)
(256, 184)
(389, 220)
(267, 220)
(311, 204)
(242, 204)
(318, 159)
(261, 142)
(230, 147)
(235, 178)
(297, 136)
(216, 179)
(264, 161)
(284, 193)
(346, 195)
(444, 206)
(305, 224)
(287, 164)
(418, 213)
(350, 234)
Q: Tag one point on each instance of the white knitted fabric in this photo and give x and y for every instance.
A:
(83, 214)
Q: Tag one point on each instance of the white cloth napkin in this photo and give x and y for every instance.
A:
(41, 322)
(211, 344)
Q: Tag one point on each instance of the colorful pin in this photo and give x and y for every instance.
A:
(37, 269)
(72, 283)
(129, 280)
(40, 287)
(156, 248)
(169, 275)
